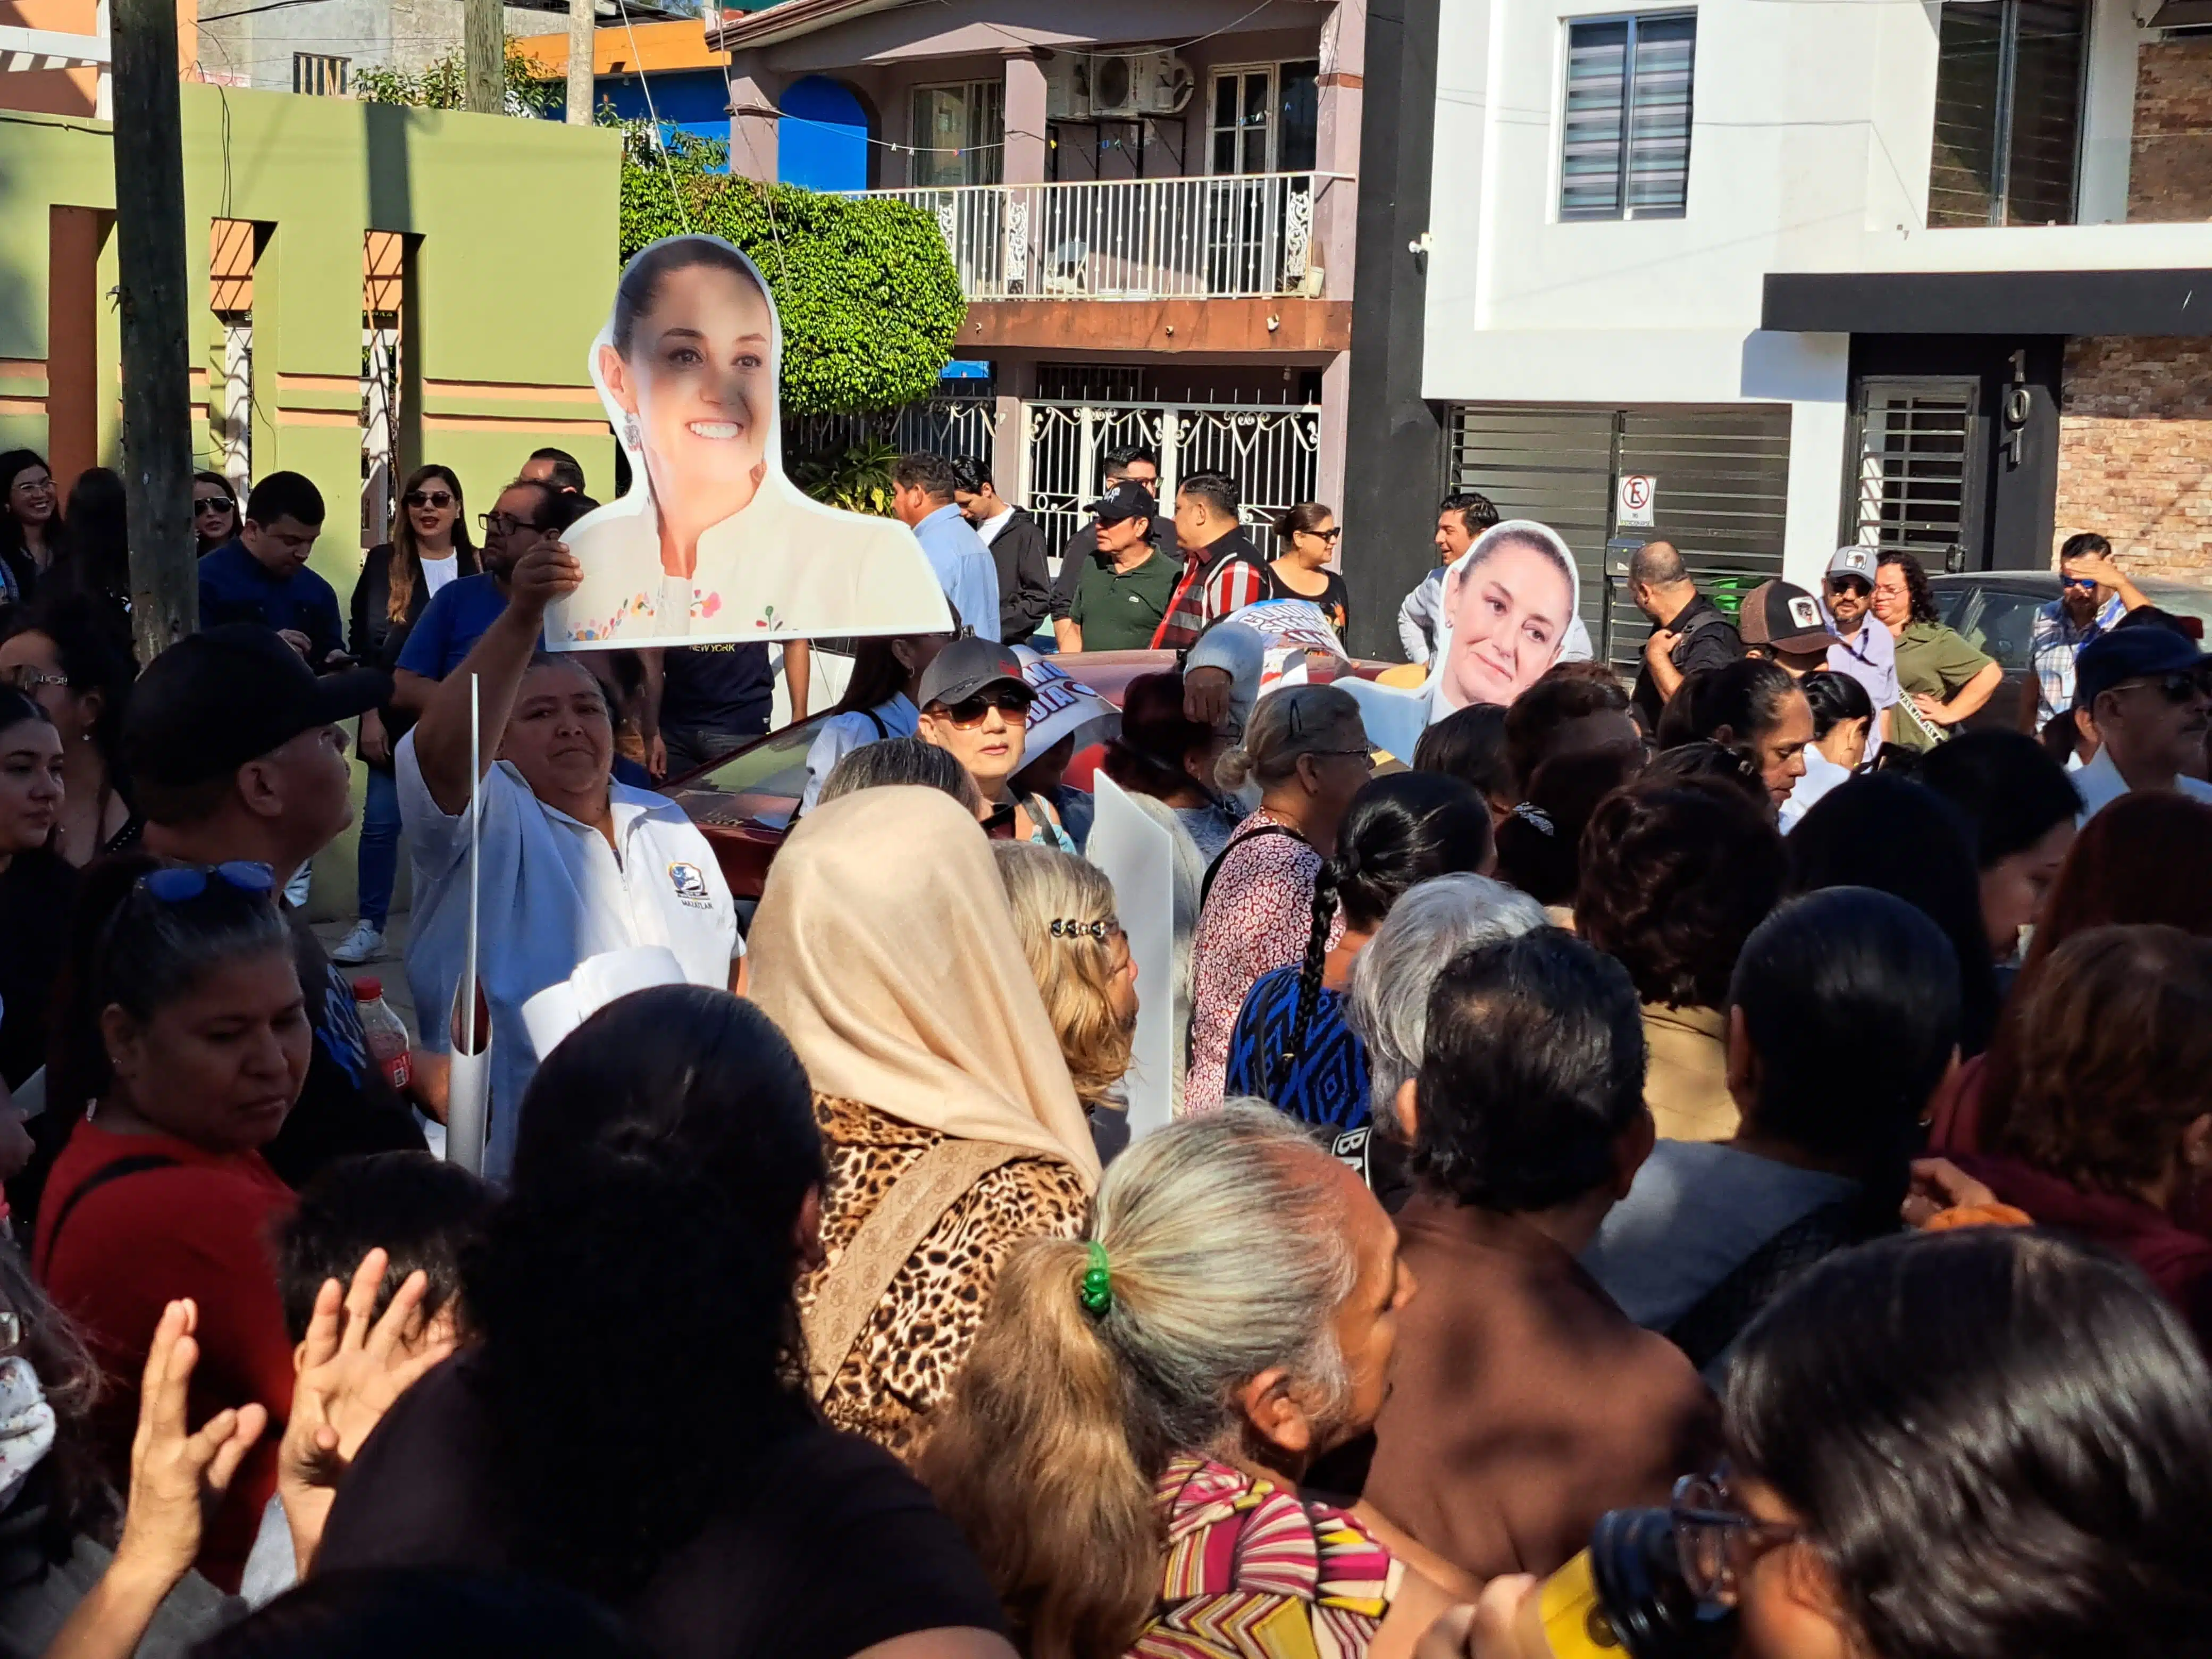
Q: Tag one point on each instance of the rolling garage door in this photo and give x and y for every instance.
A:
(1723, 497)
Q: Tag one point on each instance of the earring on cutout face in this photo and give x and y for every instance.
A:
(630, 431)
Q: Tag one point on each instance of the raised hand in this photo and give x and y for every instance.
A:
(352, 1366)
(177, 1477)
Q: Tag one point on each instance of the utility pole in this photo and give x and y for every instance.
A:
(583, 33)
(483, 42)
(156, 323)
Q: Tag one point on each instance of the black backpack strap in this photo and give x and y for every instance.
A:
(1205, 886)
(137, 1163)
(877, 721)
(1719, 1316)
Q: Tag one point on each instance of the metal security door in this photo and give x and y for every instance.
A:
(1915, 480)
(1722, 495)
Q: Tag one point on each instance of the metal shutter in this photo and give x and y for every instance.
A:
(1723, 472)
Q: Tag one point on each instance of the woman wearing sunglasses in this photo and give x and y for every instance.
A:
(430, 547)
(1979, 1442)
(186, 1030)
(1309, 533)
(214, 511)
(975, 704)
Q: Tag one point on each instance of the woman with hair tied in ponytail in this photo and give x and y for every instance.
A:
(1124, 1447)
(1291, 1046)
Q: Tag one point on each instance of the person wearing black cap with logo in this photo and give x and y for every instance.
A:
(1782, 621)
(2149, 690)
(235, 747)
(976, 705)
(1121, 595)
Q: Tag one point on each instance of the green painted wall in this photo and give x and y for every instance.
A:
(512, 278)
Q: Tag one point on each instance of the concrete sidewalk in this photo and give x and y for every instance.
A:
(390, 965)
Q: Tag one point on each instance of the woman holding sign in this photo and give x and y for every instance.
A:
(712, 543)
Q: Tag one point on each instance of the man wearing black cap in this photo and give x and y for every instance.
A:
(2148, 692)
(1782, 621)
(1120, 595)
(975, 706)
(235, 750)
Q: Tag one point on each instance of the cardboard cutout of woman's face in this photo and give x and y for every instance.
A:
(711, 544)
(699, 383)
(1508, 603)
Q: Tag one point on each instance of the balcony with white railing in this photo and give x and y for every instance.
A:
(1234, 236)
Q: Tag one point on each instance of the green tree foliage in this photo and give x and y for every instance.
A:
(868, 294)
(444, 85)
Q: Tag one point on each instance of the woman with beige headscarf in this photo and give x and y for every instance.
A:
(885, 950)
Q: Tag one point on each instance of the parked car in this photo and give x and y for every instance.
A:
(1995, 610)
(744, 802)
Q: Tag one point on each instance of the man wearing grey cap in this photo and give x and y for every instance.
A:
(1861, 649)
(976, 704)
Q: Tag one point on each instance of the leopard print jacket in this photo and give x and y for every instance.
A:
(902, 1368)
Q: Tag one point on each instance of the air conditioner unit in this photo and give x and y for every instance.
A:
(1128, 86)
(1067, 86)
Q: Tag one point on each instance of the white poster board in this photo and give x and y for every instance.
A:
(1137, 856)
(1395, 716)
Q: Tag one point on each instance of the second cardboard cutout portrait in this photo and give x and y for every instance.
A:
(713, 544)
(1509, 614)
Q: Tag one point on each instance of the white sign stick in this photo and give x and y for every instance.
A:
(1137, 856)
(468, 1094)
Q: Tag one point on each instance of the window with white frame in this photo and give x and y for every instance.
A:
(959, 134)
(1264, 117)
(1625, 152)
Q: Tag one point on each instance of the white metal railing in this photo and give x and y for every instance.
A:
(1226, 237)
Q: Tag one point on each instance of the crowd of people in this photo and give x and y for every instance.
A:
(1711, 1164)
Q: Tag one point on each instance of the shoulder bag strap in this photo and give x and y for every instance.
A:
(1205, 886)
(886, 1240)
(137, 1163)
(877, 721)
(1705, 1332)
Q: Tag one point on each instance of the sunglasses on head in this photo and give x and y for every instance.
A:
(184, 883)
(438, 498)
(971, 712)
(213, 504)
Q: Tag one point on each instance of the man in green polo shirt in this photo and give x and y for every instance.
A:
(1122, 595)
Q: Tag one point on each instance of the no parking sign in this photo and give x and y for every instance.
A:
(1638, 492)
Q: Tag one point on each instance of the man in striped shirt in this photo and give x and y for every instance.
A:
(1221, 572)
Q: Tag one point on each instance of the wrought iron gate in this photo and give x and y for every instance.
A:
(1268, 449)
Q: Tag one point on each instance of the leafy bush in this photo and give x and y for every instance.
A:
(869, 297)
(857, 478)
(444, 85)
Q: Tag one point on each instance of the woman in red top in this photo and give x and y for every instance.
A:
(201, 1044)
(2110, 1126)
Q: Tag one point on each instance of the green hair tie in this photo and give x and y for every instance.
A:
(1097, 1293)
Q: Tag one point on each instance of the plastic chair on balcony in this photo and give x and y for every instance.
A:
(1066, 268)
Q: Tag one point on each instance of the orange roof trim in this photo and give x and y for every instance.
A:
(651, 46)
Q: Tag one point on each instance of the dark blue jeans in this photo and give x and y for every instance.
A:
(380, 846)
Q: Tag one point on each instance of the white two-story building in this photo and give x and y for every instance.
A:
(1926, 273)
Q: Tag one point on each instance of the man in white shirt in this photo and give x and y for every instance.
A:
(2147, 691)
(1460, 519)
(572, 864)
(1862, 648)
